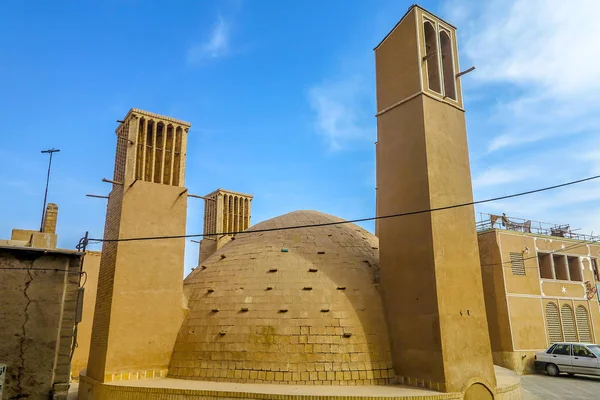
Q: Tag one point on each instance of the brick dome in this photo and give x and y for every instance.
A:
(291, 306)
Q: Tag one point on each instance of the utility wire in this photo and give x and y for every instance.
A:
(40, 269)
(354, 220)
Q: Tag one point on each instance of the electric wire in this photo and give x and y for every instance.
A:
(39, 269)
(471, 203)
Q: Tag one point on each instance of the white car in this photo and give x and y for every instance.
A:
(572, 358)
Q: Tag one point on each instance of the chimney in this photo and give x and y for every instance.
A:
(50, 218)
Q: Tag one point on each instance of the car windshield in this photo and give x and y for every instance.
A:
(595, 349)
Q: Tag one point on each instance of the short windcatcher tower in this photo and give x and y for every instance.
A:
(224, 211)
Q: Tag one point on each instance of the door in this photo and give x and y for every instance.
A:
(561, 356)
(584, 361)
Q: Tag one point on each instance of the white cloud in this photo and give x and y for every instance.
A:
(501, 176)
(341, 113)
(216, 46)
(545, 53)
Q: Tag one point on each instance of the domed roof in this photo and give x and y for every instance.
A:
(287, 306)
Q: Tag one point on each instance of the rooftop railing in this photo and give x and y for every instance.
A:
(494, 221)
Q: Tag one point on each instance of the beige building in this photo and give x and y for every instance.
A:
(91, 267)
(41, 306)
(540, 284)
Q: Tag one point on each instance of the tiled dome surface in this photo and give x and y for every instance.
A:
(308, 315)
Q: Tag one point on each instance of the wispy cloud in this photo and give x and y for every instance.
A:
(503, 175)
(216, 46)
(545, 54)
(341, 114)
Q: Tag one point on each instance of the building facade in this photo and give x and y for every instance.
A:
(540, 287)
(41, 307)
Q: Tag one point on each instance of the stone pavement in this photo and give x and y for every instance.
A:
(544, 387)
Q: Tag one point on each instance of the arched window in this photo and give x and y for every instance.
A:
(431, 57)
(583, 324)
(568, 323)
(553, 323)
(447, 65)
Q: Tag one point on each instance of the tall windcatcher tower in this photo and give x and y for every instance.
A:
(429, 262)
(224, 211)
(139, 302)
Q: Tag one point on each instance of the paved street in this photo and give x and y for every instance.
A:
(564, 387)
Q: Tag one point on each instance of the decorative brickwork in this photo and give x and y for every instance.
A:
(248, 324)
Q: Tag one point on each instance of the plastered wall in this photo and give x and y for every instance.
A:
(38, 318)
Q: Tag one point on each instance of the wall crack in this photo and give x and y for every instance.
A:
(21, 368)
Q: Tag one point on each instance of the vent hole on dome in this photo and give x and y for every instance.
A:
(283, 310)
(312, 270)
(214, 310)
(320, 252)
(222, 333)
(202, 268)
(324, 309)
(210, 290)
(223, 256)
(244, 309)
(273, 270)
(347, 334)
(341, 288)
(374, 247)
(269, 288)
(284, 250)
(307, 288)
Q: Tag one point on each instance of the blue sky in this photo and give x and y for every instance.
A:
(281, 99)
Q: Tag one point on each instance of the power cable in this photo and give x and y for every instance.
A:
(354, 220)
(40, 269)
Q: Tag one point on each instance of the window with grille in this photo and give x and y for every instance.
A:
(553, 323)
(517, 264)
(568, 323)
(583, 324)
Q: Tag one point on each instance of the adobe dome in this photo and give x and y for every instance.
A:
(289, 306)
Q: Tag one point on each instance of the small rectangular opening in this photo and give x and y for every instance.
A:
(575, 269)
(595, 269)
(545, 263)
(561, 268)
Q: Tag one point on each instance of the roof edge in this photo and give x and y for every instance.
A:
(155, 115)
(405, 15)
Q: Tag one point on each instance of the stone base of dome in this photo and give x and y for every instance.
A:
(509, 388)
(315, 378)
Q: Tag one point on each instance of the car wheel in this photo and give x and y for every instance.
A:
(552, 370)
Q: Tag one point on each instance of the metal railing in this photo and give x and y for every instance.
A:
(495, 221)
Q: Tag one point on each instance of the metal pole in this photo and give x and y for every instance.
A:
(51, 151)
